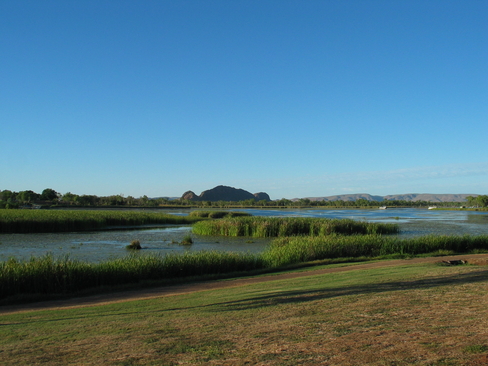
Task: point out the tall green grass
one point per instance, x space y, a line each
37 221
290 250
49 275
258 226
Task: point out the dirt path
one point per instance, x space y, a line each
150 293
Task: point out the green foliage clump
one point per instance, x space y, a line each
134 245
476 348
48 275
258 226
187 240
290 250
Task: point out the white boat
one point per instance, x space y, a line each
432 207
382 207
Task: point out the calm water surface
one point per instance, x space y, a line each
102 245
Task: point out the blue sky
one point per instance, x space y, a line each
293 98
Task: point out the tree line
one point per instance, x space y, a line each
478 201
50 198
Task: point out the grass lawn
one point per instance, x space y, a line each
420 314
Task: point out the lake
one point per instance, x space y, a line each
95 246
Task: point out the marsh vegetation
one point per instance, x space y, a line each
134 245
44 221
264 227
50 275
292 250
293 241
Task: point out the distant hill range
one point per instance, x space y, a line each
396 197
224 193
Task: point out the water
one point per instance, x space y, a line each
103 245
412 221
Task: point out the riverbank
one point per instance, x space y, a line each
209 285
407 313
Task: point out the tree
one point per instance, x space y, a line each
130 200
27 196
49 195
471 201
7 195
304 202
361 202
88 200
283 202
249 202
482 201
70 197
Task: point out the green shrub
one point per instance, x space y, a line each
187 240
134 245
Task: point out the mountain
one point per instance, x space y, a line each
225 193
430 197
396 197
346 197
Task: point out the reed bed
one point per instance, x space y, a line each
38 221
49 275
291 250
263 227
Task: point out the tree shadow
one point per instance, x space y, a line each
290 297
297 296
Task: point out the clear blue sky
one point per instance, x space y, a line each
293 98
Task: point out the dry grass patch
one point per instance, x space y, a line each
479 261
410 315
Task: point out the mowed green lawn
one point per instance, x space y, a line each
418 314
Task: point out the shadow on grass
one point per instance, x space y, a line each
288 297
291 297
